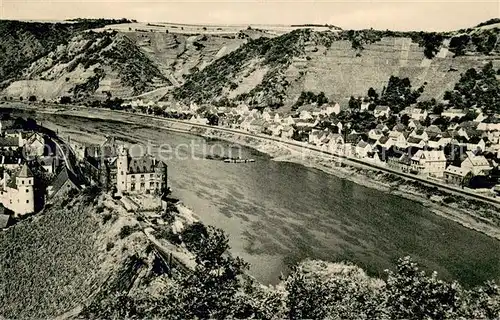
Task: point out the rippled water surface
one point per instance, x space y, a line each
279 213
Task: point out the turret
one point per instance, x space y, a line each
121 168
25 194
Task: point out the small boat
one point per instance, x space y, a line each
231 160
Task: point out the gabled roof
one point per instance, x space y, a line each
383 140
477 161
25 172
61 179
362 144
457 171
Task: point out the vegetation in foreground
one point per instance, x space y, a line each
217 289
47 264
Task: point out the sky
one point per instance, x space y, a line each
426 15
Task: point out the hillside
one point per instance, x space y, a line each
274 71
259 65
67 59
59 260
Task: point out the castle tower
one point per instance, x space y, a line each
121 169
25 202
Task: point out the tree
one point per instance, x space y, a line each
372 93
65 100
414 295
32 98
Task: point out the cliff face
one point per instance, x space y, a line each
54 60
256 66
274 72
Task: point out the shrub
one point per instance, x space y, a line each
125 231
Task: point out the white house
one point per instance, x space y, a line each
362 149
365 105
288 121
287 132
16 191
332 109
305 115
478 165
427 162
375 134
455 175
381 111
453 113
398 139
416 113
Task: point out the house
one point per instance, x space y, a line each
375 134
334 141
287 132
365 105
381 111
330 109
476 143
415 142
305 115
362 149
16 191
414 124
415 113
399 127
384 142
144 174
478 165
288 121
33 145
198 119
314 136
420 134
428 162
63 184
453 113
276 129
398 161
455 175
48 163
398 139
382 127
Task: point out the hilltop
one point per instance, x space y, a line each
258 65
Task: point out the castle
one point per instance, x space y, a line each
144 174
16 191
112 166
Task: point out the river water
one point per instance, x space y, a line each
277 214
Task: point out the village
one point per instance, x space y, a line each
38 168
457 147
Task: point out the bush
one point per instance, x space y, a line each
32 98
125 231
65 100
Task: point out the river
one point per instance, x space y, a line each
277 213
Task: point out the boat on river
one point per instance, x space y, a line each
228 159
238 160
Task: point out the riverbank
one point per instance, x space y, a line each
473 214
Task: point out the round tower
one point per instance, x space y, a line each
121 169
25 202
